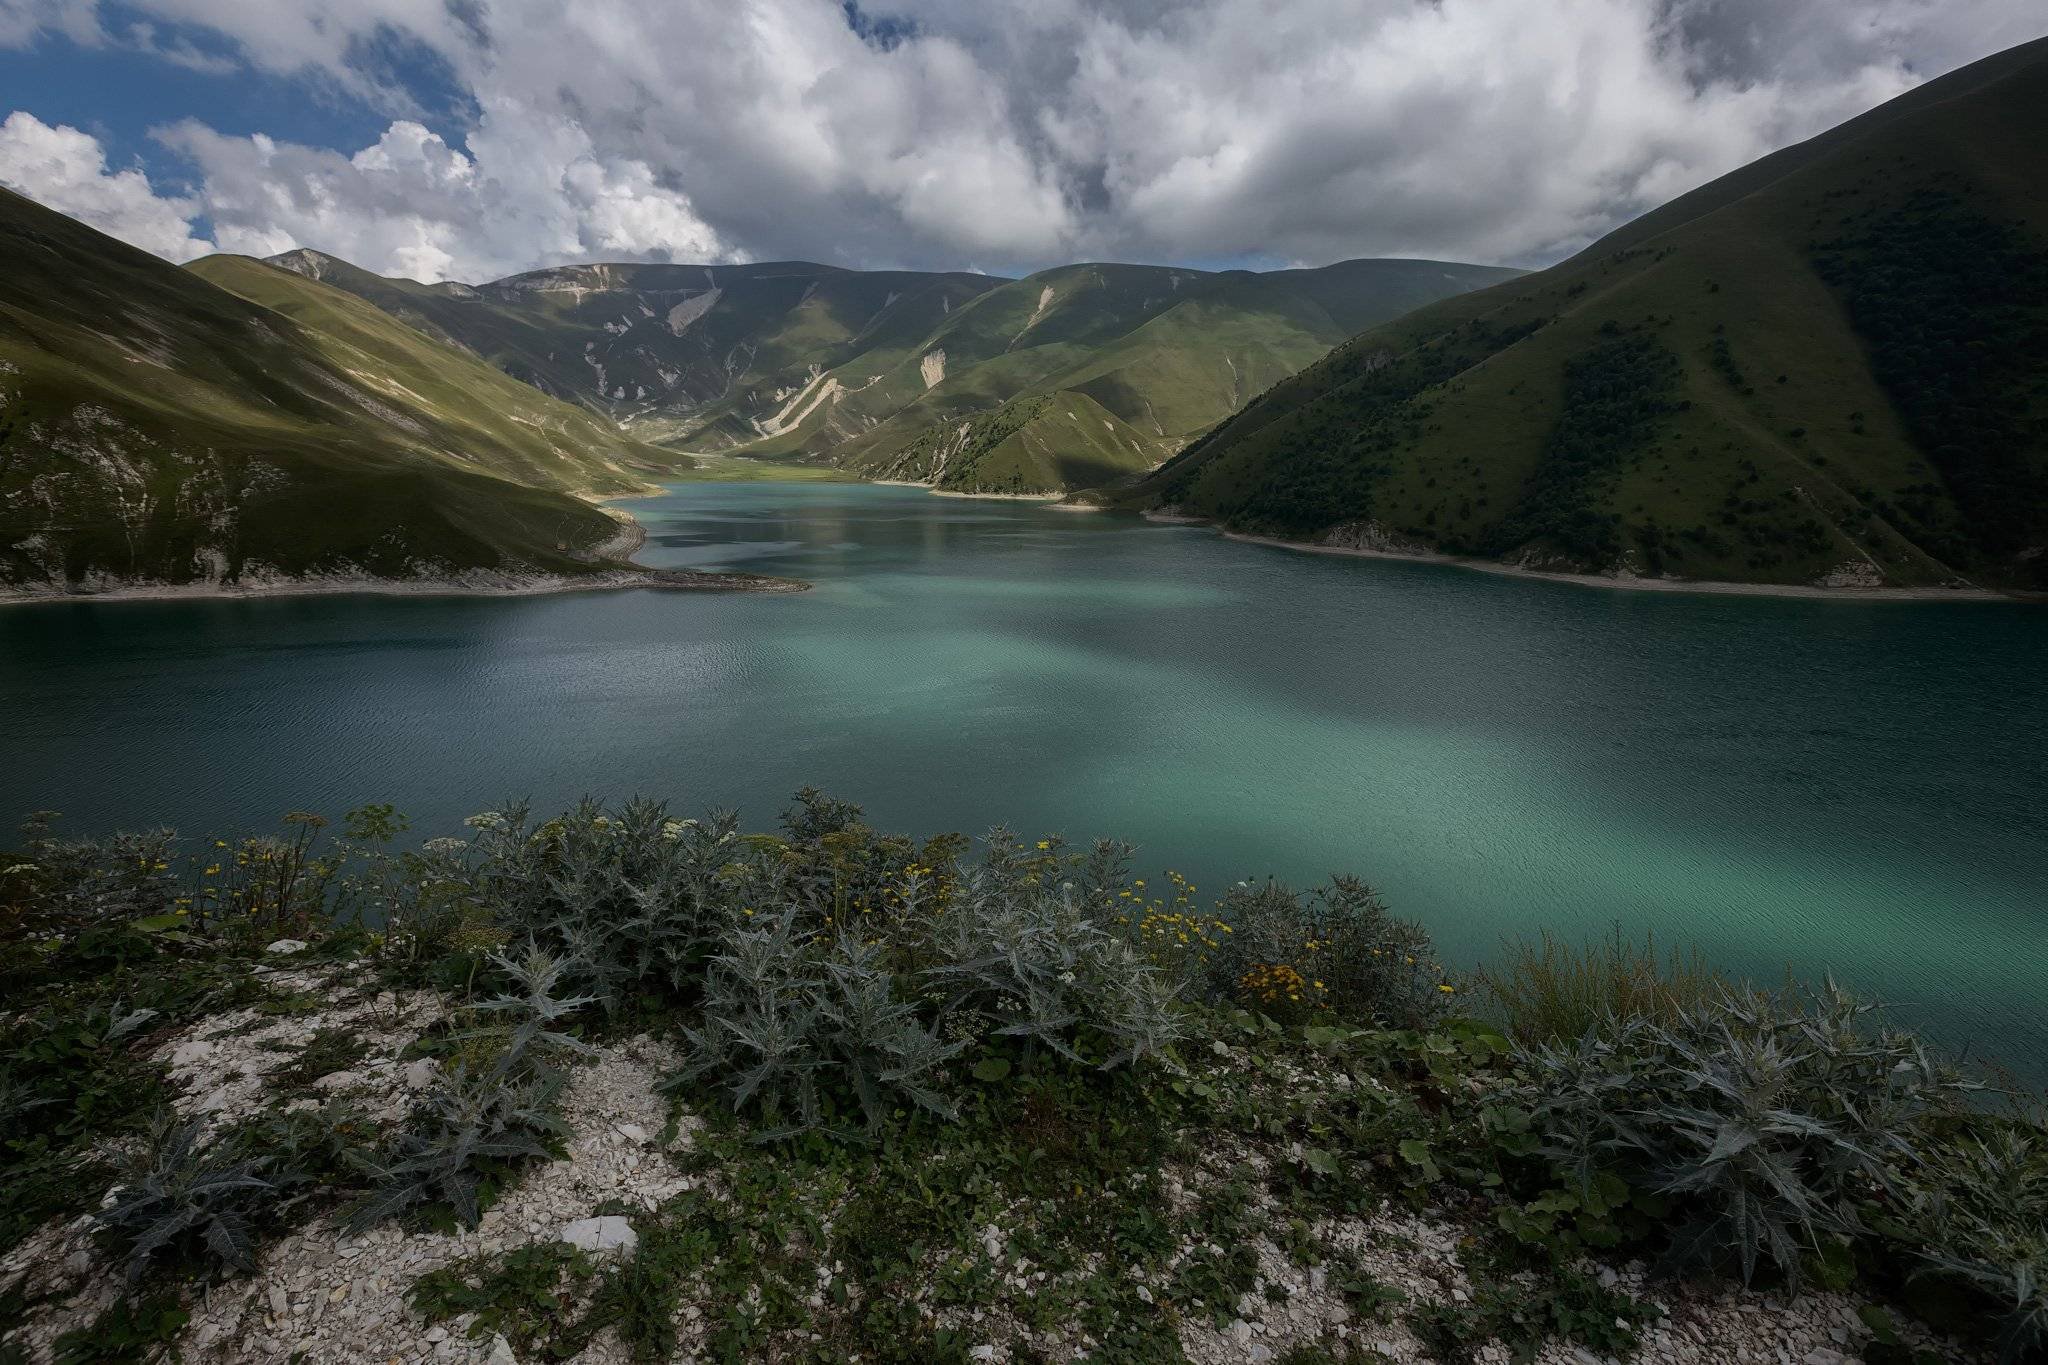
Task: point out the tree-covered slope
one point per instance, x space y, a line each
1829 367
808 361
157 427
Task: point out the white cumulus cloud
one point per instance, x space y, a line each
67 170
1019 133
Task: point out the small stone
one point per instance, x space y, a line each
983 1353
192 1052
420 1074
280 1302
601 1234
634 1133
287 945
501 1352
338 1080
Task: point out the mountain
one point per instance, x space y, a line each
668 350
1828 367
874 370
234 422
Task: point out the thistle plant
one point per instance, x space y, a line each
467 1134
536 1008
192 1201
1979 1212
790 1021
631 899
1047 969
1769 1118
470 1131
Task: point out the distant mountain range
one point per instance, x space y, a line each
1829 367
895 374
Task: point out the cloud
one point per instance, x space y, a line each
67 170
1019 133
531 189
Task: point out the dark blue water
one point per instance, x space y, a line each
1860 788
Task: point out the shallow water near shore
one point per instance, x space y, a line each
1850 786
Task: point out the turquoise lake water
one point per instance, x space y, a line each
1854 787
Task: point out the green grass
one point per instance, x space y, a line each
1852 395
1551 991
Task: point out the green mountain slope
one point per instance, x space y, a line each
859 368
674 351
1167 352
155 427
1829 367
1040 443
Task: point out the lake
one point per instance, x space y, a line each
1860 787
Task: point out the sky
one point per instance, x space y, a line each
472 139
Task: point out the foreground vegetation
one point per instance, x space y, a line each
921 1087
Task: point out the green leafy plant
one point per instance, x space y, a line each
790 1022
1337 950
1044 966
1767 1119
193 1204
128 1333
1979 1215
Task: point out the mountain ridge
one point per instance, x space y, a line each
795 360
1825 371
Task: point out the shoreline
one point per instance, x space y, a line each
483 583
1706 587
955 493
615 550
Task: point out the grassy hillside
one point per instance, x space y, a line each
674 351
504 427
155 426
867 368
1165 352
1829 367
1040 443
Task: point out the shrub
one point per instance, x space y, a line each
793 1022
195 1202
1039 964
633 899
467 1135
1979 1213
1551 991
1337 950
476 1127
1767 1117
